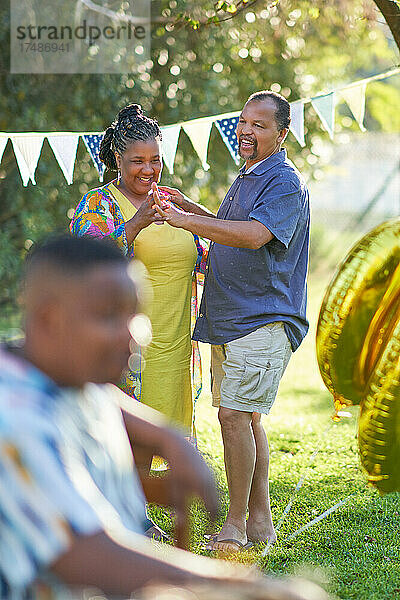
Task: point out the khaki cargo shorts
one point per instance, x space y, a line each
246 372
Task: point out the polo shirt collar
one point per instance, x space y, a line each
266 164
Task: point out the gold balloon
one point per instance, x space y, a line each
379 424
359 312
358 348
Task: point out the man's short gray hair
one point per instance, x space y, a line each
282 114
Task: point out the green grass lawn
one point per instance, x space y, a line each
355 552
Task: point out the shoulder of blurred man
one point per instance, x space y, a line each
67 457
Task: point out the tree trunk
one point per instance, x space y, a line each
391 12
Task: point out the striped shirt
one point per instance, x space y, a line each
66 469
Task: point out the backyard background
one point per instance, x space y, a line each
299 48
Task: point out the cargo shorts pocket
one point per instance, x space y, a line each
260 378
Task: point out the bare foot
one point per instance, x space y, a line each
260 531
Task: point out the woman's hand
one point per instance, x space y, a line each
147 213
156 196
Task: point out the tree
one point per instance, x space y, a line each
390 9
225 10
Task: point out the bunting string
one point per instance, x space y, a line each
27 146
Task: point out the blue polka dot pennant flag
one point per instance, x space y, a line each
227 129
92 143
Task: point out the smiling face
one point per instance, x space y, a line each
140 166
257 131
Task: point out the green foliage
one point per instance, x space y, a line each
298 47
383 100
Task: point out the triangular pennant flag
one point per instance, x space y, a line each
297 121
198 131
64 147
27 150
3 143
170 135
227 129
355 100
325 109
92 143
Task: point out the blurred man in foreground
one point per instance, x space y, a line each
71 503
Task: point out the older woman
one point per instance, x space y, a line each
124 211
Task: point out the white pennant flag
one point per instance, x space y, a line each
199 131
3 143
27 148
325 109
355 100
297 121
170 135
64 146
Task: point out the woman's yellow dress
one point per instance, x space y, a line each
169 255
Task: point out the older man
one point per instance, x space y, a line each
254 303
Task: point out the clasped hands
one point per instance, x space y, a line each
166 210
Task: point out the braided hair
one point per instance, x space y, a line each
130 125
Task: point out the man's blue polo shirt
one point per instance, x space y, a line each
246 289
